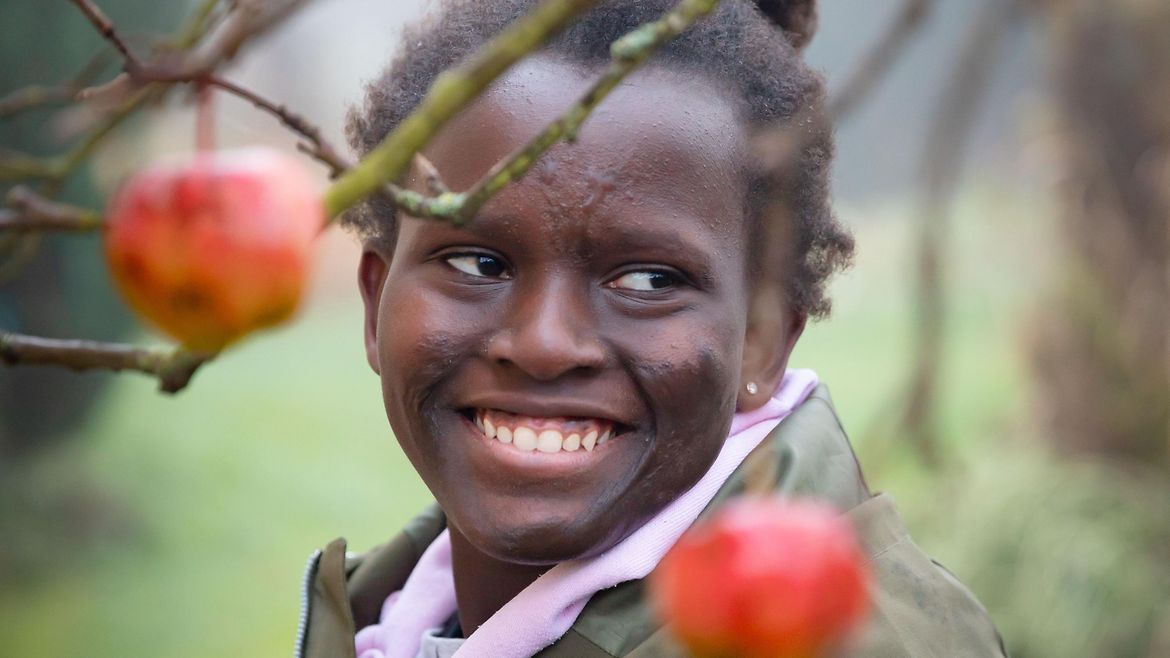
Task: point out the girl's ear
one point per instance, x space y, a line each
798 18
772 331
371 275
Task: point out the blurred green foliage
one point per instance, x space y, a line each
178 527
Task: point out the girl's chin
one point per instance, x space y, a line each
538 541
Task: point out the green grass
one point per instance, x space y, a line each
178 527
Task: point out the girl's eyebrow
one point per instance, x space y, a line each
678 242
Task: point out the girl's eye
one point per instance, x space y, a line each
645 281
479 265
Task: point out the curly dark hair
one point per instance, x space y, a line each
737 47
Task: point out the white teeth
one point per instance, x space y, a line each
504 434
524 438
549 441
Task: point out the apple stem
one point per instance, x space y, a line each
204 119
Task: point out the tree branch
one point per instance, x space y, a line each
247 20
30 211
317 146
778 146
430 174
55 170
36 96
452 91
628 53
106 28
877 62
21 166
173 368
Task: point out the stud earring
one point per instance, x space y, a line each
752 389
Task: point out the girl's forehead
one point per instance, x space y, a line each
661 140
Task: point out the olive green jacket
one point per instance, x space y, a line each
919 609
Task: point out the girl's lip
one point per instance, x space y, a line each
543 407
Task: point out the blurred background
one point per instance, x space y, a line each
1000 353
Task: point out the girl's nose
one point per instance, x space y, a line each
548 333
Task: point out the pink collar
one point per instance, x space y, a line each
545 610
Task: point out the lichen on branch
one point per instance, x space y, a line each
452 91
387 161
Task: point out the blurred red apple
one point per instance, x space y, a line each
213 249
764 578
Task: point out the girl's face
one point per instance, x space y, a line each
597 310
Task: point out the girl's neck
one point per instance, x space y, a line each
484 584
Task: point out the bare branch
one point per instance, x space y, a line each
877 62
450 93
173 368
30 211
248 20
106 28
56 170
201 21
36 96
430 174
779 145
21 166
317 147
628 53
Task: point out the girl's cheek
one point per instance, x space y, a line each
691 382
420 336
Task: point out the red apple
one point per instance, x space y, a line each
215 248
764 578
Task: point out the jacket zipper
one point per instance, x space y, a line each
306 586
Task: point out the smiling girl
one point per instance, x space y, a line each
602 353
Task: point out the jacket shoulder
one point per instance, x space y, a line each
918 607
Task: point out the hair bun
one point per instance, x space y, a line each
798 18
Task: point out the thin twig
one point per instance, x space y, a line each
105 27
173 368
244 23
878 61
201 21
29 211
36 96
779 145
77 157
317 147
16 166
55 170
449 94
431 175
628 53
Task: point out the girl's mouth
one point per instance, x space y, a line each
544 434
